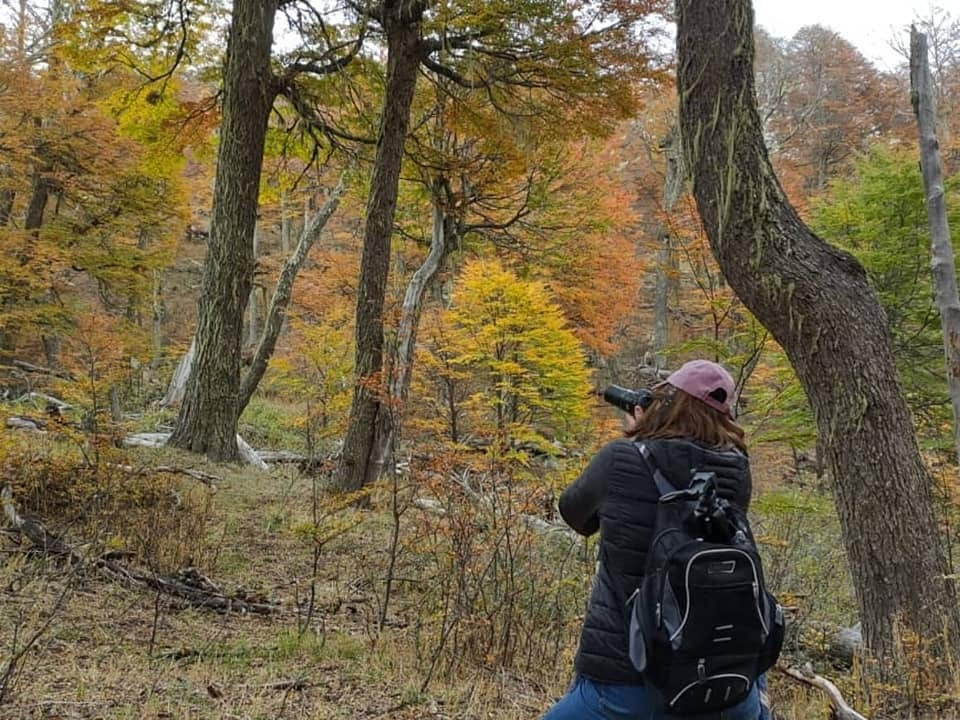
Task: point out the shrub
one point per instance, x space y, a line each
99 498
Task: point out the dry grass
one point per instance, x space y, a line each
112 651
115 652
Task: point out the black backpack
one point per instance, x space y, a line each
702 625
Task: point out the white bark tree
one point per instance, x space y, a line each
178 383
944 268
281 295
401 354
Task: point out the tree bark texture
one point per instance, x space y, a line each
38 202
816 302
208 415
253 312
401 361
404 51
281 295
941 251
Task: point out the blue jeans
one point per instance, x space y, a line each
591 700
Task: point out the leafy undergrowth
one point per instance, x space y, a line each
471 595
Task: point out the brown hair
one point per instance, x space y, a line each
674 413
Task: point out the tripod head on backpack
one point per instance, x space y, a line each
713 518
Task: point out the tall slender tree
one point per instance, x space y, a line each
214 396
532 59
208 416
944 267
400 21
818 305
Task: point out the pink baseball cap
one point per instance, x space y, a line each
707 382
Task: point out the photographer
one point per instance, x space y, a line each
687 423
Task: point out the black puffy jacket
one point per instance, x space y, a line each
616 495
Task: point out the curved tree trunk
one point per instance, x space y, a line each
403 61
281 295
401 363
816 302
208 416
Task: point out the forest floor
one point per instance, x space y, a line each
114 652
107 650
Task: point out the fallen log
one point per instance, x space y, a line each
537 524
17 422
841 709
197 590
488 504
48 400
247 453
206 478
282 456
31 368
153 440
35 532
198 597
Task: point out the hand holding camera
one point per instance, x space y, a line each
632 402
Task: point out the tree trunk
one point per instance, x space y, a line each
284 224
661 297
208 416
403 61
401 361
51 350
673 181
116 404
36 208
38 202
817 304
253 313
944 268
157 312
7 196
281 296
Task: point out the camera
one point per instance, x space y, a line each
627 399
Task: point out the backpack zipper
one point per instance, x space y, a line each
686 583
756 600
743 678
664 575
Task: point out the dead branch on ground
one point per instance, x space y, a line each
206 478
192 587
42 539
36 369
841 710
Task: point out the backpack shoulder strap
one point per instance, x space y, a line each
664 486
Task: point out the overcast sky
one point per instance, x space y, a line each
868 24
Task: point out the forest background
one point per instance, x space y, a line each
570 255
